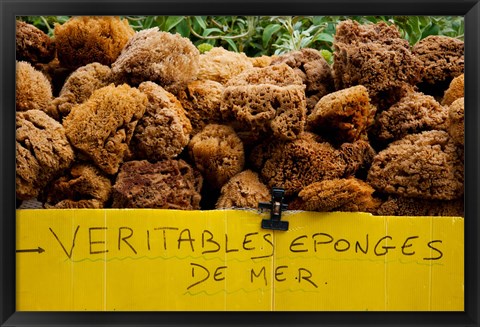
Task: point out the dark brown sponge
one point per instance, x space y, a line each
292 165
376 57
42 152
414 113
456 121
167 184
101 128
358 157
427 165
314 71
343 116
86 39
164 130
244 190
402 206
218 153
442 57
339 194
32 44
263 101
33 90
169 60
201 100
80 85
83 186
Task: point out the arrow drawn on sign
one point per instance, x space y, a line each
38 250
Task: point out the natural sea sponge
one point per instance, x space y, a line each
83 186
220 65
217 153
314 71
169 60
33 90
86 39
427 165
442 57
166 184
164 130
456 121
455 90
244 190
339 194
403 206
42 152
414 113
263 101
292 165
32 44
80 85
376 57
262 61
358 157
201 100
101 128
343 116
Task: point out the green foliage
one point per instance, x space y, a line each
268 35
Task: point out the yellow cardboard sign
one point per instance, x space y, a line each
166 260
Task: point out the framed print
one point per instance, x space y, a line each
239 162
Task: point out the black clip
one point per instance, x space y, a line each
276 206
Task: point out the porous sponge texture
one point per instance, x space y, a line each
42 152
102 127
32 44
427 165
455 90
218 153
266 100
221 65
86 39
169 60
456 121
164 129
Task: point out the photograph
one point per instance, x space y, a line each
200 165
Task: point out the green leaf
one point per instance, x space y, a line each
232 44
183 28
268 32
173 21
200 21
208 31
324 37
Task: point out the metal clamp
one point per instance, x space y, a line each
276 207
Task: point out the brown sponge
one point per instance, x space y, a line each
201 100
164 130
339 194
220 65
169 60
292 165
266 100
42 152
454 91
244 190
83 186
456 119
402 206
102 127
376 57
167 184
80 85
358 157
32 44
427 165
86 39
217 153
343 116
442 57
414 113
33 90
314 71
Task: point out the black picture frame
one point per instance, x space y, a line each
9 9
